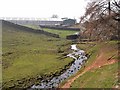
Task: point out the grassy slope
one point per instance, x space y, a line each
61 33
33 26
105 77
27 55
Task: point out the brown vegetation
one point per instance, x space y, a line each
101 20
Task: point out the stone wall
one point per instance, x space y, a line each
23 28
72 37
60 28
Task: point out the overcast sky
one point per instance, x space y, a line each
42 8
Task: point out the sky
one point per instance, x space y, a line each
42 8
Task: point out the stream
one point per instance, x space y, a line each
80 58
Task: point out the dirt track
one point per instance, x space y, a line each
99 62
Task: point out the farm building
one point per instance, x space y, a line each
43 22
33 22
69 22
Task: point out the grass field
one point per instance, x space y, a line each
27 55
105 77
33 26
61 33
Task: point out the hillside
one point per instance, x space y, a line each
30 28
29 57
100 70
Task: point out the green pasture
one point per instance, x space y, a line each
28 54
61 33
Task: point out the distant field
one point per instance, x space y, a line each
61 33
27 55
33 26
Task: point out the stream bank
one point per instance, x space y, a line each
79 57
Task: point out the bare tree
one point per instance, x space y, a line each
101 19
